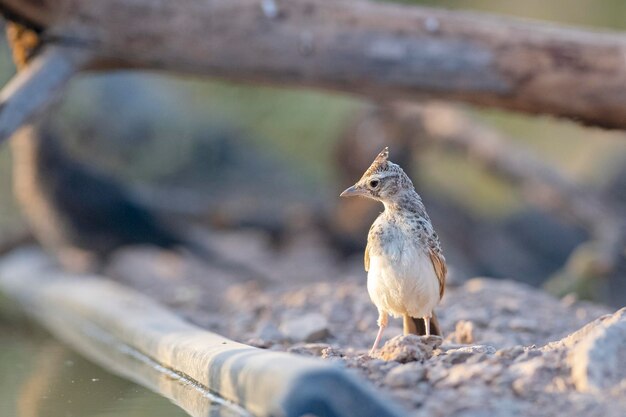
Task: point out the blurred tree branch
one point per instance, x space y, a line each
373 49
40 80
10 240
540 182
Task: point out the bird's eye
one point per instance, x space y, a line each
374 183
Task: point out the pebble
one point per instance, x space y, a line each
464 332
599 360
462 354
406 375
310 349
408 348
311 327
268 331
531 373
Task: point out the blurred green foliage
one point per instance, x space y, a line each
606 14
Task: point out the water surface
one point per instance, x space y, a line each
41 377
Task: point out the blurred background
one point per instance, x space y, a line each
231 156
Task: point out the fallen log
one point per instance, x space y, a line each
367 48
109 322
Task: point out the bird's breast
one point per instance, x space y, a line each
402 280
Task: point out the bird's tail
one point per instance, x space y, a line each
414 325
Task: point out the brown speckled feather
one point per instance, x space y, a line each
366 257
439 263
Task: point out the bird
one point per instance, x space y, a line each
406 268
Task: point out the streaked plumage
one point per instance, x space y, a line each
405 264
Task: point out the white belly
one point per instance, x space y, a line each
403 284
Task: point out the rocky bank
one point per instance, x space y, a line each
509 349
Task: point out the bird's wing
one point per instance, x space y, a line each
366 257
439 263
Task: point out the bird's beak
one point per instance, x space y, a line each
353 191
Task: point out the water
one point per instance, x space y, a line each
41 377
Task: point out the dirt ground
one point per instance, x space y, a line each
505 349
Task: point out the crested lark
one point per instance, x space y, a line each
406 268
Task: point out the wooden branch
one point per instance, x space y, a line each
540 182
368 48
36 87
451 128
142 340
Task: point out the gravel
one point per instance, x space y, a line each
508 349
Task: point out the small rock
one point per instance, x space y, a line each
260 343
511 352
464 332
311 327
408 348
269 332
436 373
486 349
467 373
432 341
411 397
523 325
532 375
528 354
462 354
374 364
598 360
309 349
406 375
331 352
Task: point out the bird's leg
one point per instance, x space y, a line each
383 319
427 324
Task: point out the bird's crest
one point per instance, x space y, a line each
380 162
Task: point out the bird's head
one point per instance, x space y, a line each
383 181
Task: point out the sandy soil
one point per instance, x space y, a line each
496 358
